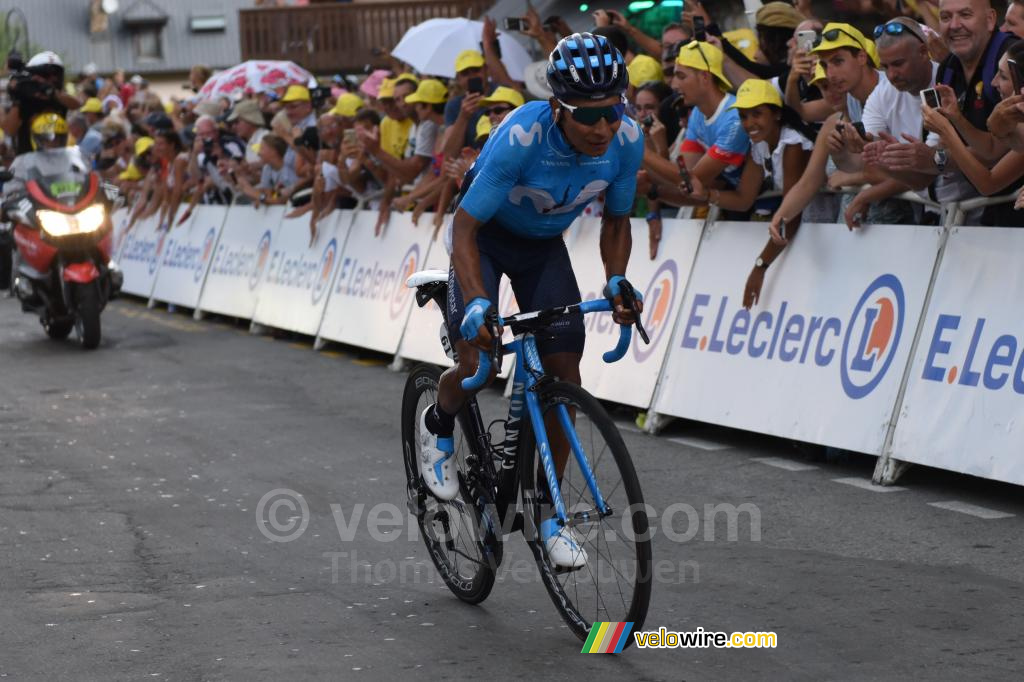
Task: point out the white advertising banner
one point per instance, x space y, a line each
369 303
632 379
821 357
119 222
298 276
421 340
965 398
187 253
240 260
141 249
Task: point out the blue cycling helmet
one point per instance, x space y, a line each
586 66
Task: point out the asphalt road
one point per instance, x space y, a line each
130 479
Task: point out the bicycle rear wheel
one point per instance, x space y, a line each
450 530
615 585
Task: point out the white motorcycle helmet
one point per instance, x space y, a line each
46 64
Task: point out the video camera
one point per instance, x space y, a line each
22 85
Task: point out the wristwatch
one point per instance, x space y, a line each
940 160
759 263
652 193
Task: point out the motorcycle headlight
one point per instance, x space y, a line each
62 224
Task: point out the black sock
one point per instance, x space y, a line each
440 422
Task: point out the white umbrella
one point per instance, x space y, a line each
431 47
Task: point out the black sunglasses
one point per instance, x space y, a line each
497 111
896 28
590 116
833 34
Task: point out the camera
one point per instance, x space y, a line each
515 24
648 121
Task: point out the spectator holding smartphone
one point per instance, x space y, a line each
470 81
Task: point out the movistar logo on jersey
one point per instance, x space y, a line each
865 342
992 359
518 134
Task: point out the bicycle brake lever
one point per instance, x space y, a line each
629 300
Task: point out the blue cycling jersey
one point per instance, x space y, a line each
531 182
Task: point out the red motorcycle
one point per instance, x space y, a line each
60 212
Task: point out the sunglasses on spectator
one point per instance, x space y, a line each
896 28
590 116
833 34
497 111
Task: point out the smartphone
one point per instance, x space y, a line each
930 97
350 136
699 32
681 162
475 85
782 228
515 24
859 127
840 126
805 40
1016 77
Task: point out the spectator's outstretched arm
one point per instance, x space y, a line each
982 143
644 42
403 170
495 68
455 134
987 181
739 199
813 111
857 210
535 29
1007 122
802 192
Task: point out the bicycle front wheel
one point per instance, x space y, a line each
615 583
451 530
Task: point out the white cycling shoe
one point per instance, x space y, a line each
562 546
436 465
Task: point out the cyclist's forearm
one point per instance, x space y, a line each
466 256
616 244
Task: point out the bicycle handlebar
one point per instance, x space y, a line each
594 306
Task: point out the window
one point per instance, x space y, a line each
146 43
208 24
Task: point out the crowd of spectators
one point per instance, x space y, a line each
758 123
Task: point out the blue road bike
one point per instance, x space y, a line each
508 480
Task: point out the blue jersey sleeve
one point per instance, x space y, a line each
494 175
622 191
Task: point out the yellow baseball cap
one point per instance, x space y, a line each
429 91
296 93
836 35
704 57
644 69
483 127
92 106
347 105
754 92
819 73
387 89
142 145
468 59
779 15
503 95
407 77
130 173
744 40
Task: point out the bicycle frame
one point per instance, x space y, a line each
528 373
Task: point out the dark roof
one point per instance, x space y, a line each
63 26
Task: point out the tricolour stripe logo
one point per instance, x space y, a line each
607 638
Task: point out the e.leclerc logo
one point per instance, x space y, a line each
658 308
992 352
869 337
262 254
376 283
208 242
325 268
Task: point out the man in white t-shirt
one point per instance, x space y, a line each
893 112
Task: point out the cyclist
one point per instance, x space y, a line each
537 172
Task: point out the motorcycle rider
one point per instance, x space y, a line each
35 88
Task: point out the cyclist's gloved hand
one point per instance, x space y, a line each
613 292
474 323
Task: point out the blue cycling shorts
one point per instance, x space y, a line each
541 276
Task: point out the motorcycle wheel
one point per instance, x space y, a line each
58 330
87 315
